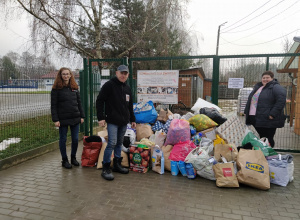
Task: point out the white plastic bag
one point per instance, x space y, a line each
207 172
201 103
159 138
208 145
198 157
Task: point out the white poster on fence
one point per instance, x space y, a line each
236 83
159 86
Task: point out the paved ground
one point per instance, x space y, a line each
42 189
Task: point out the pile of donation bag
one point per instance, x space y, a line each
203 143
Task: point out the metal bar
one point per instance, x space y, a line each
85 98
91 97
267 63
81 86
215 82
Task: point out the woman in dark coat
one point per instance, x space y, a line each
66 111
264 109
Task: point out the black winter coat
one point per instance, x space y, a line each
66 106
271 102
117 99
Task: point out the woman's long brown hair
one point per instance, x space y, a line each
59 83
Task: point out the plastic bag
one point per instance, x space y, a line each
201 103
179 131
207 144
144 112
198 157
157 126
202 122
213 114
167 126
160 137
91 150
281 170
181 150
258 144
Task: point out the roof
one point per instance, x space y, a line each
290 64
52 75
188 71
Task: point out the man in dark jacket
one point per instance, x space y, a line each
264 108
115 107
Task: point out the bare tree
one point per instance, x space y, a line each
83 26
286 44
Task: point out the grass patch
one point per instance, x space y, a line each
34 132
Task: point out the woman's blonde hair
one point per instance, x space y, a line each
59 83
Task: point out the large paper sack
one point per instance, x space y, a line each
253 169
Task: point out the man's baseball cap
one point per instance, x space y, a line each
123 68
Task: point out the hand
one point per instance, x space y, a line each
57 124
270 117
81 120
133 125
102 123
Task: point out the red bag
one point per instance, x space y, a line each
181 150
90 153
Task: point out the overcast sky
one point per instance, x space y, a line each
253 26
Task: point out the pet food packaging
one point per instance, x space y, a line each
139 158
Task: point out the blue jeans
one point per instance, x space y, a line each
115 141
63 130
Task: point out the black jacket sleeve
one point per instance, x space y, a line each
101 98
54 105
280 99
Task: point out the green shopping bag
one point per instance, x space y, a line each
258 144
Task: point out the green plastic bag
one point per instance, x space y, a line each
258 144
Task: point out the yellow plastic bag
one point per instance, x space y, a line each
202 122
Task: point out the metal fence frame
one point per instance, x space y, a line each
87 92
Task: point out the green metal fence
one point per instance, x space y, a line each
25 120
25 98
217 71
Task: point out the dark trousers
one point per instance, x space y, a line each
263 132
268 133
63 130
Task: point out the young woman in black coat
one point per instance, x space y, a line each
264 108
66 111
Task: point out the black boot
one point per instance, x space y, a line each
106 171
74 161
65 163
118 167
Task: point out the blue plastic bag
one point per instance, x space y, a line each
144 112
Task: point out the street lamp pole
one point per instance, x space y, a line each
217 49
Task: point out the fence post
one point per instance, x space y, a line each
91 97
267 63
85 98
215 82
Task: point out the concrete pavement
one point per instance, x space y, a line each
41 189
